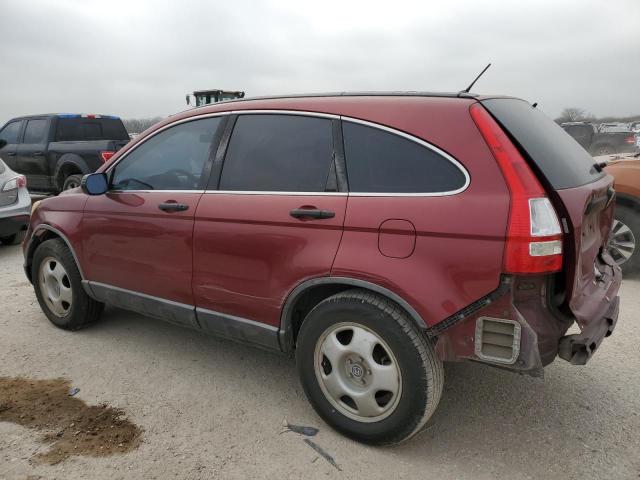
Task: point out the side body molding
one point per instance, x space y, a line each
285 335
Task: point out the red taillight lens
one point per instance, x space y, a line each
106 156
534 238
631 139
21 180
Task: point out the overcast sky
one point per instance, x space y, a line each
139 58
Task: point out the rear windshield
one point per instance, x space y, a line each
561 159
72 129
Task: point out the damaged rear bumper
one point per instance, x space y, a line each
517 329
579 348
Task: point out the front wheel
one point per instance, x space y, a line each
58 286
368 371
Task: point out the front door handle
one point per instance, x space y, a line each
173 207
311 213
36 154
10 154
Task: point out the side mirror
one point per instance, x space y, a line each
3 143
94 184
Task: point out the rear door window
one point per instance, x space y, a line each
278 153
87 129
173 159
36 131
560 159
10 132
379 161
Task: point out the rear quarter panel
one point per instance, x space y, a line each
459 238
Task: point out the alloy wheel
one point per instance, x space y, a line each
622 242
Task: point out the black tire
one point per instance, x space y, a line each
420 370
83 309
630 217
72 181
15 239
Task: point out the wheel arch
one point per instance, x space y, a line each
69 164
42 233
309 293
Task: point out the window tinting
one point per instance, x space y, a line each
382 162
70 129
35 131
563 162
10 132
171 160
278 153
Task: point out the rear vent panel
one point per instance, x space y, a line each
497 340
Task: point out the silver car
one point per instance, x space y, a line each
15 205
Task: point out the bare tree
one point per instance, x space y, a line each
138 125
574 114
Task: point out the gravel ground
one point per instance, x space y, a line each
210 408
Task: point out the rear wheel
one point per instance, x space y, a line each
15 239
58 286
366 369
72 181
623 242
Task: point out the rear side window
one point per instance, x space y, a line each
77 129
278 153
379 161
10 132
36 131
562 161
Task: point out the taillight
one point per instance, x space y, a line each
104 156
631 139
534 237
16 182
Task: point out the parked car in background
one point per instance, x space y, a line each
355 231
625 234
54 151
15 205
601 143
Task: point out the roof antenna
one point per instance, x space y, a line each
466 90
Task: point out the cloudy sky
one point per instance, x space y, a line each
139 58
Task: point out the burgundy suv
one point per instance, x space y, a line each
373 235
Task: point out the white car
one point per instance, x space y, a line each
15 205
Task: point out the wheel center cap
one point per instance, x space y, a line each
357 370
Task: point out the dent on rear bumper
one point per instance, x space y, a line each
525 301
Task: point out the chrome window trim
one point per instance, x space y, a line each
419 141
331 116
160 130
260 192
157 191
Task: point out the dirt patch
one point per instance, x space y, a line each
67 424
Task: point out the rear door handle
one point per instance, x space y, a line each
10 154
36 154
311 213
173 207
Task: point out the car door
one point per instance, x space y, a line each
138 237
10 133
270 219
31 153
